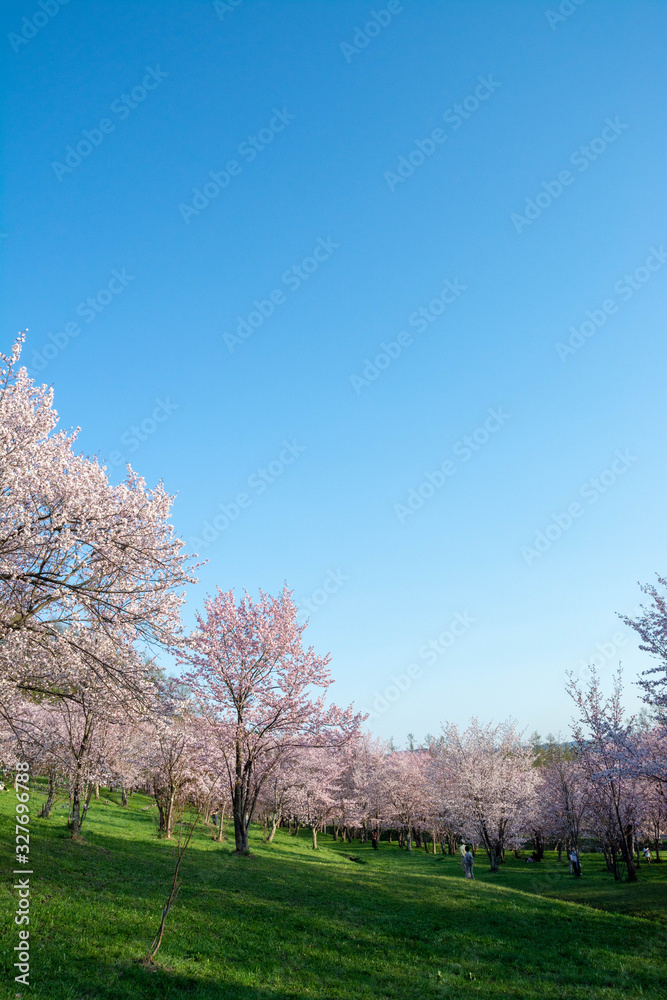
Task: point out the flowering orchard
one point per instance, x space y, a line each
92 579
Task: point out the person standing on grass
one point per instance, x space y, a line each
468 862
647 855
374 840
575 867
462 849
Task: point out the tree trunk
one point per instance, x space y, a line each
408 842
221 820
626 851
169 814
494 852
658 859
335 833
97 789
75 821
75 814
314 832
274 826
123 795
240 834
89 796
45 811
614 864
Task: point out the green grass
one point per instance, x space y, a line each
289 922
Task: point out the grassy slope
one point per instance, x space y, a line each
289 922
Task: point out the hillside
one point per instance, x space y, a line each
289 923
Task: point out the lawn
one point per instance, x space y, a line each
289 922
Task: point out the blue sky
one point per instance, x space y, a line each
498 167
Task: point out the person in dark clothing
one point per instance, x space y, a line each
374 840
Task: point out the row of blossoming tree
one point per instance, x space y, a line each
92 579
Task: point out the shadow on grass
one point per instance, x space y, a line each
311 918
294 923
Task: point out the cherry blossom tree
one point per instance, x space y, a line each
654 816
77 554
67 737
253 680
367 781
345 812
448 818
496 784
79 730
312 798
275 800
604 740
175 750
565 796
651 625
408 792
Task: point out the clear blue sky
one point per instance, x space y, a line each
354 213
